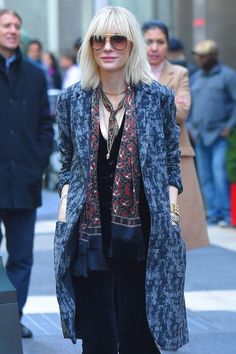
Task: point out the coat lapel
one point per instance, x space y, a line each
82 117
166 74
143 108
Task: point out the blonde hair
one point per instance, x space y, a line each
115 20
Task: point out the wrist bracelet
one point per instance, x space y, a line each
174 208
175 218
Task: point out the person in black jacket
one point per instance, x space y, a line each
26 138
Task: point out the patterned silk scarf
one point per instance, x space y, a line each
113 127
125 218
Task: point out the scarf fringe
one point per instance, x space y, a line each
89 259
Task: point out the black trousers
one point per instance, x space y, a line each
19 229
111 310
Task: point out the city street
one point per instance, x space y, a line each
210 293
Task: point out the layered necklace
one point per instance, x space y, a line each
114 93
113 126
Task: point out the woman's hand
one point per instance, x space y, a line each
174 207
63 204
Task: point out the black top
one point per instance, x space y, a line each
105 178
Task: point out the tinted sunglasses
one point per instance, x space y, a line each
117 41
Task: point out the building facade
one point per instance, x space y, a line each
57 23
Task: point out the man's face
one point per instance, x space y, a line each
65 62
9 34
203 60
34 51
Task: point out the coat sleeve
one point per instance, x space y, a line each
172 134
230 83
65 145
182 96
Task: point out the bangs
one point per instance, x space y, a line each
113 23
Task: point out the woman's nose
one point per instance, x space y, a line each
107 45
154 46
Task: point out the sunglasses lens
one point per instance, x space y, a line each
97 42
118 42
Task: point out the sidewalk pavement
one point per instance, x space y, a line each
210 293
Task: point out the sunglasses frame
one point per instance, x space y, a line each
109 36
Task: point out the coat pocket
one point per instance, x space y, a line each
179 241
60 232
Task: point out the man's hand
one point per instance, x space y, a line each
225 132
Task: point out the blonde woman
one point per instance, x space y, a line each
192 220
119 258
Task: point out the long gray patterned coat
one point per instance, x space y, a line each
158 138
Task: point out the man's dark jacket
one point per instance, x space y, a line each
26 133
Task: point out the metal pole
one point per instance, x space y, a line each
2 4
53 25
199 20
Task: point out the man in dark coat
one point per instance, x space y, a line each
26 137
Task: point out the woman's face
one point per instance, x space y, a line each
157 46
47 59
111 52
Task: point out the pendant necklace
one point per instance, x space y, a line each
113 127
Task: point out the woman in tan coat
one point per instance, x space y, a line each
192 221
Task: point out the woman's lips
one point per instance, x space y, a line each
108 58
153 56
